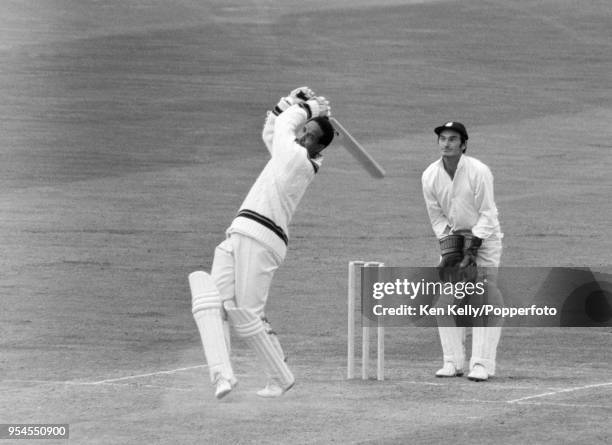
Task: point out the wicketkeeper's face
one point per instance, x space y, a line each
450 143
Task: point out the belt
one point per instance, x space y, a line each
266 222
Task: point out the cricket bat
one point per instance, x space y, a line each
357 150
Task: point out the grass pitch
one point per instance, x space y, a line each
130 135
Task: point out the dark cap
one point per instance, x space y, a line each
455 126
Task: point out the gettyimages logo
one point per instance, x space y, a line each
413 289
514 296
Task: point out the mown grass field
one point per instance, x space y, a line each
130 135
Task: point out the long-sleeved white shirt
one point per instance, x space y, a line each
267 210
465 202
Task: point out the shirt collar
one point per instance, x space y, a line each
459 164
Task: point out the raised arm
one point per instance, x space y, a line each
293 118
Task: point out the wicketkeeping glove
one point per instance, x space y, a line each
451 247
468 268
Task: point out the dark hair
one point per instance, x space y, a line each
326 127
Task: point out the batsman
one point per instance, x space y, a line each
235 292
458 192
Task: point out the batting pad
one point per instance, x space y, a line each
250 327
484 347
206 309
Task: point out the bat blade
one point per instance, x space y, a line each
356 149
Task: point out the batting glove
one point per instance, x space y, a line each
302 94
317 107
297 96
282 105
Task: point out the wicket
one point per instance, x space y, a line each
354 292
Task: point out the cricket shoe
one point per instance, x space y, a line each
478 374
224 386
449 370
273 389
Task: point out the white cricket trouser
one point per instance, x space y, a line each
484 339
242 270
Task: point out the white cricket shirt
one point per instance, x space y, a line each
267 210
465 202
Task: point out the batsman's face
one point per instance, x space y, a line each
450 143
309 136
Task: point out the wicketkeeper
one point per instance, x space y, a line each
295 133
458 192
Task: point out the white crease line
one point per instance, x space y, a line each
569 405
172 388
137 376
76 383
106 381
552 393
